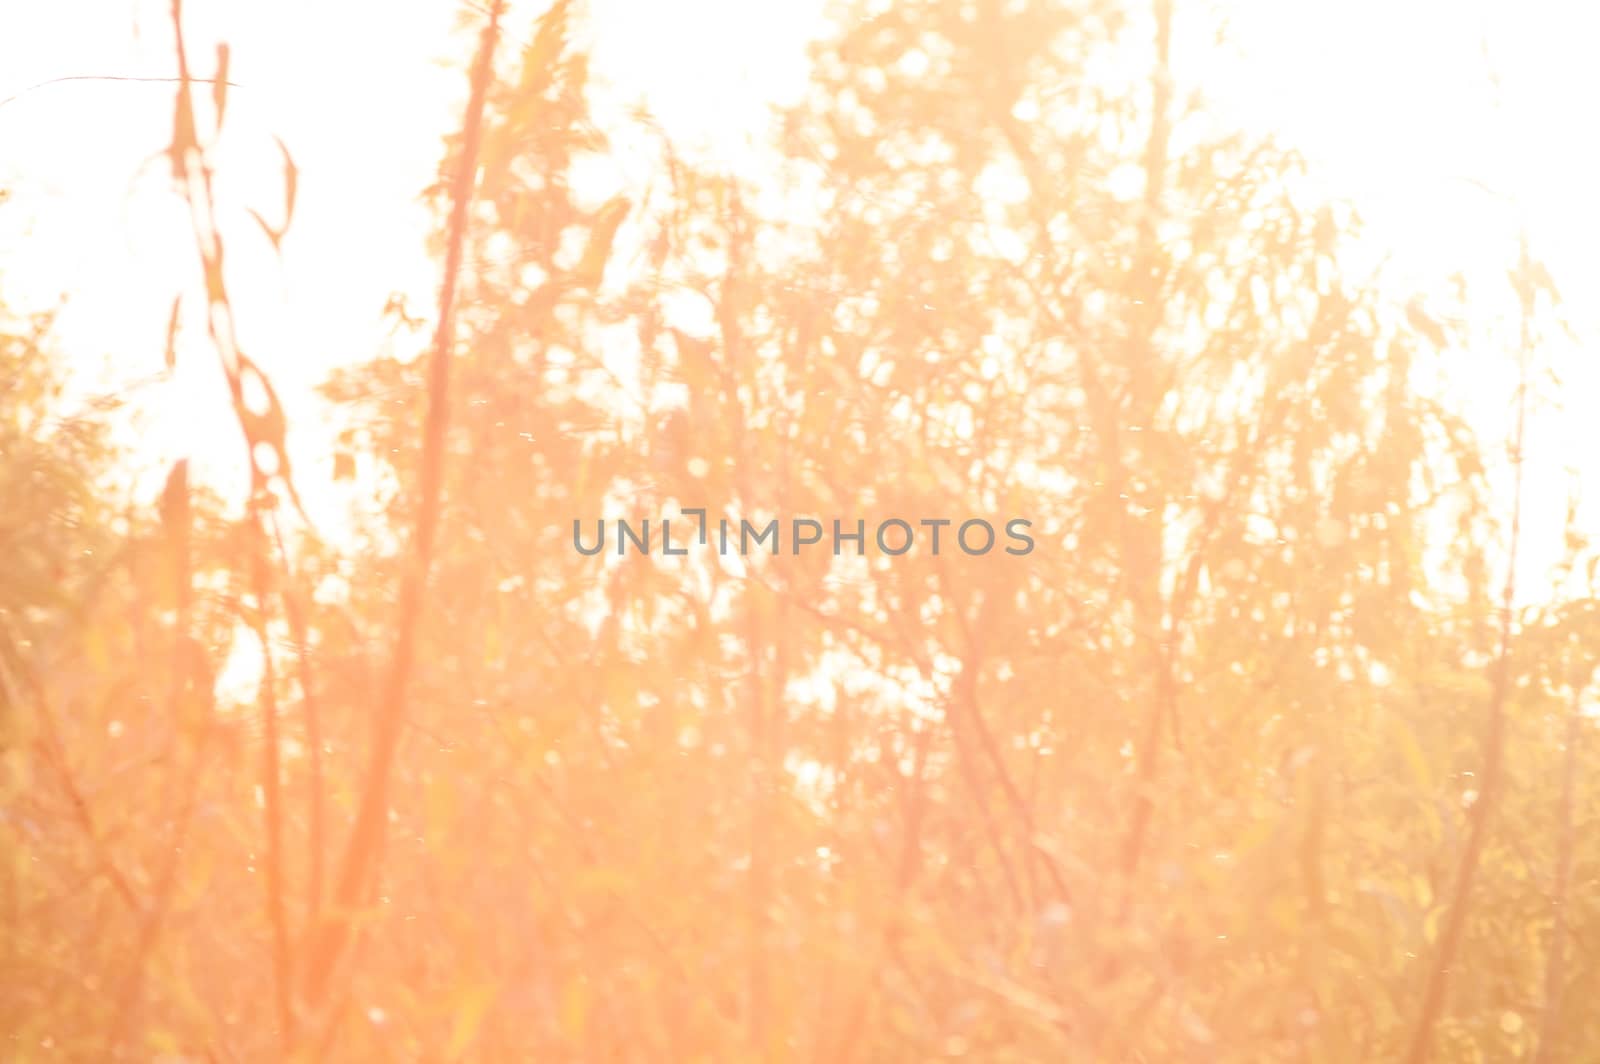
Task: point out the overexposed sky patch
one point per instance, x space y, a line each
1388 99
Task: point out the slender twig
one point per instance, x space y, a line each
166 883
755 642
1555 970
271 779
194 177
55 753
360 861
908 869
1495 729
1165 694
112 77
313 725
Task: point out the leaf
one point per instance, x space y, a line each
95 649
1327 231
574 1008
1540 278
539 59
1411 751
272 234
291 182
439 809
1424 324
219 87
171 352
1430 924
607 220
469 1004
174 505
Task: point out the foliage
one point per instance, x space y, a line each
1191 780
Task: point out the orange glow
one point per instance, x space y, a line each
731 530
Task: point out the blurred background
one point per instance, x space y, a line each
321 740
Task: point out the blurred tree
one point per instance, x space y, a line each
1190 780
1170 785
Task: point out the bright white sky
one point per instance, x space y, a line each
1386 98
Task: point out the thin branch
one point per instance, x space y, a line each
1494 741
271 780
313 727
1164 664
194 176
113 77
166 887
359 865
55 753
1555 970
